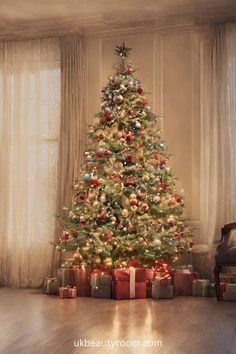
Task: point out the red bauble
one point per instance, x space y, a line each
130 181
129 158
133 202
130 226
130 137
140 90
116 176
144 206
66 235
127 70
143 102
109 238
107 117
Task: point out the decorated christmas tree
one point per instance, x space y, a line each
126 209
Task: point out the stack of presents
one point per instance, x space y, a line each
163 282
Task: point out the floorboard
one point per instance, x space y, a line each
31 322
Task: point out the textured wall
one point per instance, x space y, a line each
170 69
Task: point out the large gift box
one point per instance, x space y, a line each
67 292
50 285
162 290
66 276
101 285
183 283
230 292
82 279
129 283
200 287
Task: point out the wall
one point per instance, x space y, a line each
169 63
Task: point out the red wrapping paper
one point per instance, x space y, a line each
121 290
150 274
124 275
82 276
122 283
183 283
223 287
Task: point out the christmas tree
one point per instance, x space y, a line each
126 210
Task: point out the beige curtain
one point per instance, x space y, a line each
218 134
73 124
29 132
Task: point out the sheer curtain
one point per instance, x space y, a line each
218 134
29 131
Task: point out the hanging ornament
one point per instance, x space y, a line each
124 213
103 198
140 90
156 199
87 177
128 70
157 242
138 125
98 260
119 99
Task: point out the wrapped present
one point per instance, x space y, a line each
129 283
227 278
50 285
183 283
82 276
100 280
211 290
66 276
149 288
67 292
84 290
68 263
162 291
187 268
230 292
200 287
100 285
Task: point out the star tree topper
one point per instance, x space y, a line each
122 51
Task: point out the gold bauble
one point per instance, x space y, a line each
98 250
133 196
124 213
95 204
103 198
98 259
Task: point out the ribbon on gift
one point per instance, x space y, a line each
132 283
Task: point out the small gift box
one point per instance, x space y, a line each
101 285
50 285
162 291
66 276
183 283
82 279
211 290
150 274
67 292
230 292
129 283
200 287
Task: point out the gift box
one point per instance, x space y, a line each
50 285
211 290
82 280
84 290
149 288
66 276
82 276
200 287
129 283
101 285
226 278
183 283
230 292
162 291
67 292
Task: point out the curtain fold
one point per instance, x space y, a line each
218 132
29 130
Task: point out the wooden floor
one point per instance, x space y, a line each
31 322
